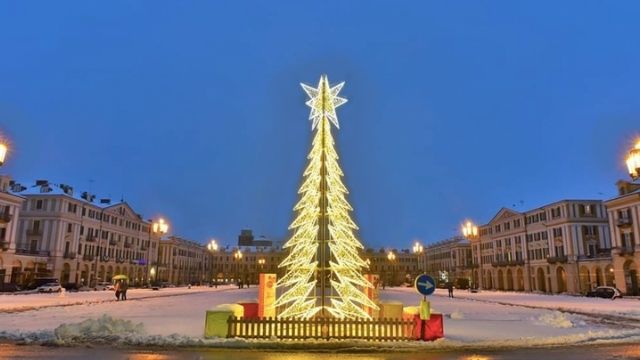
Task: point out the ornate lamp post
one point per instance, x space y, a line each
159 228
470 231
633 162
392 258
238 257
212 246
418 249
3 152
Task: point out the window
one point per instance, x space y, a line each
516 223
39 204
69 227
557 232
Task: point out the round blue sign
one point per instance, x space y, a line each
425 285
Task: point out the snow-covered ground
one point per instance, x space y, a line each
176 317
626 307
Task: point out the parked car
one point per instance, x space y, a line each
605 292
50 288
9 287
37 282
103 286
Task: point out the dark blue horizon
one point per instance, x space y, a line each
193 110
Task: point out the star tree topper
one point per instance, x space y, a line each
323 101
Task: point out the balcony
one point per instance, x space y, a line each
144 248
624 222
32 252
5 217
127 245
120 260
626 250
4 245
557 259
90 238
88 257
600 254
34 232
70 255
504 263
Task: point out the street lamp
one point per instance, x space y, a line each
418 249
470 230
159 228
392 258
3 152
212 246
237 255
261 262
633 162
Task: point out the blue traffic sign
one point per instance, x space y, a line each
425 285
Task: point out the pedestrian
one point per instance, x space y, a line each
123 289
450 288
117 289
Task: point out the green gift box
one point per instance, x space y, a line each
215 324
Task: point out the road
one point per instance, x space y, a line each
12 351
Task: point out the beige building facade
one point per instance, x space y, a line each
450 260
563 247
624 222
10 206
78 238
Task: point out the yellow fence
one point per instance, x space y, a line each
322 328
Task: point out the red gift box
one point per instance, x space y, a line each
250 310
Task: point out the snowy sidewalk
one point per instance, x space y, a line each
10 303
625 307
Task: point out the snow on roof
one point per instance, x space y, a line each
46 188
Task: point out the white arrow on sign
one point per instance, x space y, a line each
427 285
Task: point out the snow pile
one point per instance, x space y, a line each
555 319
104 329
457 315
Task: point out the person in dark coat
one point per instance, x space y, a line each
123 290
450 288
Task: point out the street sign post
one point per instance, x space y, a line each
425 285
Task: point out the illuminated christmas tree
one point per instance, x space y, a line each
324 271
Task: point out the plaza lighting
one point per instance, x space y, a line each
418 248
391 256
324 273
212 245
159 228
470 230
3 152
633 162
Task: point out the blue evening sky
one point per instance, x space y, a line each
192 109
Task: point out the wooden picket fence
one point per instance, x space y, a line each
322 328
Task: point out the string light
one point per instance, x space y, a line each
323 196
